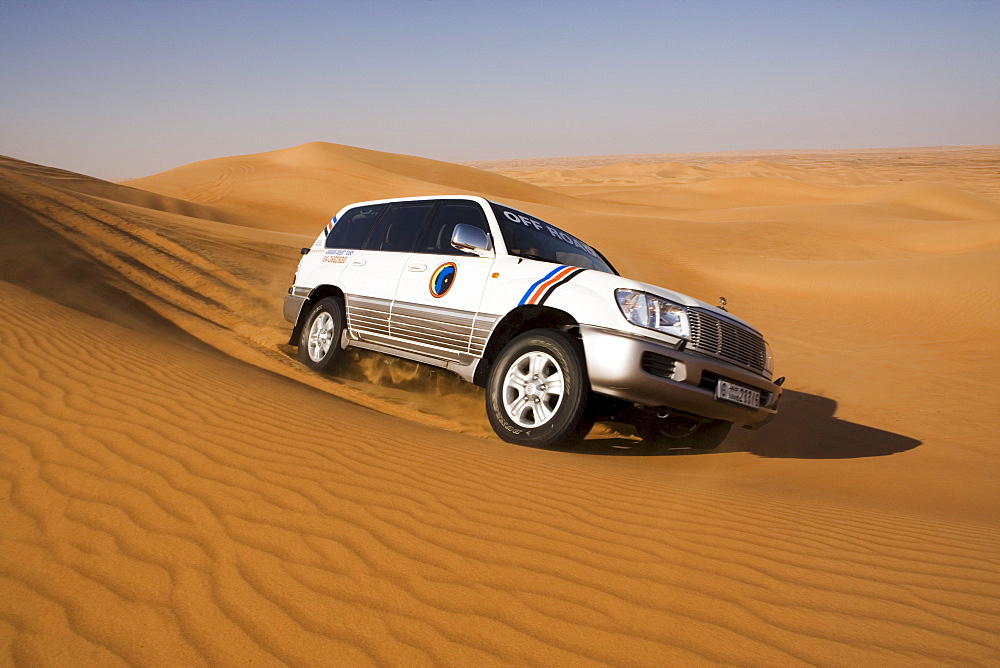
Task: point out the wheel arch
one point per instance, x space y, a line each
522 319
317 293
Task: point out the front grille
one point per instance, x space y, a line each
727 340
658 365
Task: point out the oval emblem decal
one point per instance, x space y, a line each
443 278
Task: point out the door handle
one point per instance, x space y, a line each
360 262
417 267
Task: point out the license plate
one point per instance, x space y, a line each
737 394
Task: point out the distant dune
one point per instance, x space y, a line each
178 490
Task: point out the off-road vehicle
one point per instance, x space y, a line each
537 317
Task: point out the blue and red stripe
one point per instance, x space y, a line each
541 289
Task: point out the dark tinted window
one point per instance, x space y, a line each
437 240
351 230
400 226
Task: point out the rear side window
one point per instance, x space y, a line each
351 230
437 240
399 227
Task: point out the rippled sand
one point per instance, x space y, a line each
175 489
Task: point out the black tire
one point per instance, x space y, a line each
678 434
319 340
521 408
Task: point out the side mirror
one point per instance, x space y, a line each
470 238
304 251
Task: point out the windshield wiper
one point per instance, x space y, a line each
530 256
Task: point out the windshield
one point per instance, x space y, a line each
537 240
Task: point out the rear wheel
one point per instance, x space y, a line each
537 390
319 342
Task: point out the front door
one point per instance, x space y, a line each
436 309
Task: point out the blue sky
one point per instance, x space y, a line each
124 89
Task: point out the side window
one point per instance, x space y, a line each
437 239
400 226
353 227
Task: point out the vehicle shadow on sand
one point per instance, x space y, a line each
806 427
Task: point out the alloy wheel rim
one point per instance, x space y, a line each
320 337
533 389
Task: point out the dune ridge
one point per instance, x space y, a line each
309 183
176 489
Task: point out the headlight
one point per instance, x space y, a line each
652 312
768 360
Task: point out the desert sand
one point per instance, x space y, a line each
176 489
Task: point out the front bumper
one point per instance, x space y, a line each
654 374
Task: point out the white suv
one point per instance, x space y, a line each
534 315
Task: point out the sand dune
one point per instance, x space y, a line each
292 189
178 490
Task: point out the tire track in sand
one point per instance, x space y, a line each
196 294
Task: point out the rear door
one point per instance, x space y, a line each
373 271
436 309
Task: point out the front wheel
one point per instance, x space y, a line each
537 390
319 342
